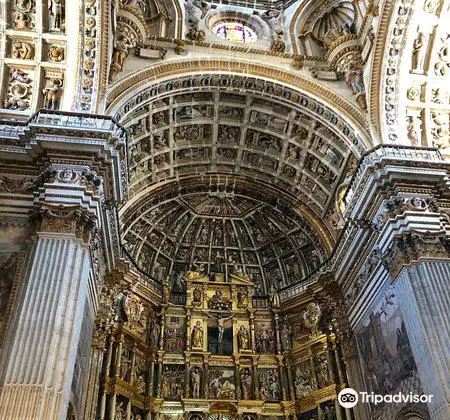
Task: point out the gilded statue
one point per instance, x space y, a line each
246 384
324 374
197 336
242 299
197 294
243 339
219 301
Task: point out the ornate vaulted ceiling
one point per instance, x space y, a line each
225 229
233 171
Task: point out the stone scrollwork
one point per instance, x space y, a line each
412 247
24 14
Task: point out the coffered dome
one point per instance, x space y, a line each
224 227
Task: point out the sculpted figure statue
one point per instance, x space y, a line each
196 375
197 336
274 297
419 51
243 339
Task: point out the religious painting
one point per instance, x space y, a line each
304 379
264 337
174 334
387 359
12 238
173 382
221 383
220 334
269 384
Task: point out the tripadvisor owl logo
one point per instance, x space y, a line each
348 398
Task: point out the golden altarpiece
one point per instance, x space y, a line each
215 351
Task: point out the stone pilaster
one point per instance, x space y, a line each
70 205
41 354
425 288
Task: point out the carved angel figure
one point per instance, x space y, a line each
311 317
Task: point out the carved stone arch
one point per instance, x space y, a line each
346 113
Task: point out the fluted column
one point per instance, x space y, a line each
41 356
98 350
424 289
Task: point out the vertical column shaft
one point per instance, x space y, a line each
41 357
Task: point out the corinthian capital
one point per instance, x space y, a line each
65 219
414 246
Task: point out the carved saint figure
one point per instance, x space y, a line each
324 374
302 383
55 9
413 130
286 338
419 51
243 340
196 375
354 79
197 336
246 384
242 296
274 297
51 93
